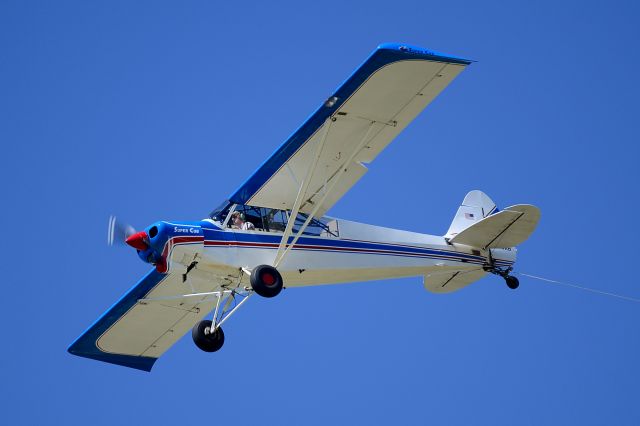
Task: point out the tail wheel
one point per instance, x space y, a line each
266 281
512 282
204 339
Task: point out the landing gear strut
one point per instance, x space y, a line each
208 335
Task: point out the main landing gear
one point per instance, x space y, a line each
205 339
265 281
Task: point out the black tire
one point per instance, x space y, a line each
266 281
207 342
512 282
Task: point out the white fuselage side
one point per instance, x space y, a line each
361 252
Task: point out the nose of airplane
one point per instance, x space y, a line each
138 240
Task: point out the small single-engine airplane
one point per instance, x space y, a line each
273 231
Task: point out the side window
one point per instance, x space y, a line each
274 220
319 227
331 228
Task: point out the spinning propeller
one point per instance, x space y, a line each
119 232
122 233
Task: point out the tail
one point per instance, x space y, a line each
476 206
479 223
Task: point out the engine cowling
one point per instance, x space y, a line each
164 244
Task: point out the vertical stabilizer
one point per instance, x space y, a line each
476 206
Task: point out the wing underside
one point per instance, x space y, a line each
147 320
327 155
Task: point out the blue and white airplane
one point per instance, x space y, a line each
273 232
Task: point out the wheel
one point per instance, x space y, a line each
266 281
512 282
205 341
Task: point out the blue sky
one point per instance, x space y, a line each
159 110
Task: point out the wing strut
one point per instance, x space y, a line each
301 192
281 254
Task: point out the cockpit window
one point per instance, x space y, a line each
262 219
250 214
274 220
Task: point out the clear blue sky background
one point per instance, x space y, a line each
160 109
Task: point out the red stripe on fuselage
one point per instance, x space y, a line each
444 256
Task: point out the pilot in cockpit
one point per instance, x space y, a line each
238 220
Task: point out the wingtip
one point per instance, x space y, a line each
83 348
421 51
141 363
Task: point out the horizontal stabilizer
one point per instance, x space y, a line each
448 281
508 228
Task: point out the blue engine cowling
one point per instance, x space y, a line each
169 243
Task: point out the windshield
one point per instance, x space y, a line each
220 214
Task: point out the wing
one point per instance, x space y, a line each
147 320
326 156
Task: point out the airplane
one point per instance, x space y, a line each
273 232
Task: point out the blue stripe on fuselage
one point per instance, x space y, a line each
329 244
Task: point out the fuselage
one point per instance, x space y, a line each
345 251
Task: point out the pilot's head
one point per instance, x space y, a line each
237 218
